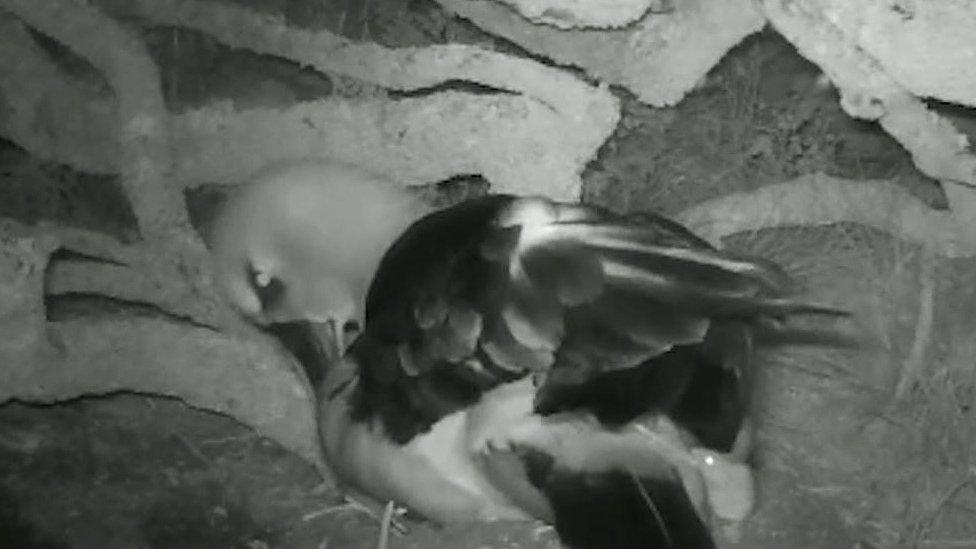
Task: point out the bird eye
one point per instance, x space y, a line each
262 280
269 289
259 278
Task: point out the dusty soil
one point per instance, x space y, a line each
128 471
135 471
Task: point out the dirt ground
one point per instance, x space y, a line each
137 471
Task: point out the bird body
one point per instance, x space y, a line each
518 357
436 475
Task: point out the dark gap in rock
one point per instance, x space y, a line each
71 64
33 190
198 69
76 305
456 85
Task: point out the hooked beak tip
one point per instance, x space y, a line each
333 339
334 335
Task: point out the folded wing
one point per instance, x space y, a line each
500 288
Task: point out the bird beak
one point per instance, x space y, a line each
316 344
330 337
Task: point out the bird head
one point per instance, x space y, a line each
300 242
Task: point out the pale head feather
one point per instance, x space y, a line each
317 227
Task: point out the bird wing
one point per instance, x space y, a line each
499 288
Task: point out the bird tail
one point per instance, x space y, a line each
771 332
619 508
659 263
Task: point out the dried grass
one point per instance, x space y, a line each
885 433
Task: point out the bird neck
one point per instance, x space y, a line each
382 228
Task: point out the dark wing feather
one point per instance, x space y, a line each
497 288
599 509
